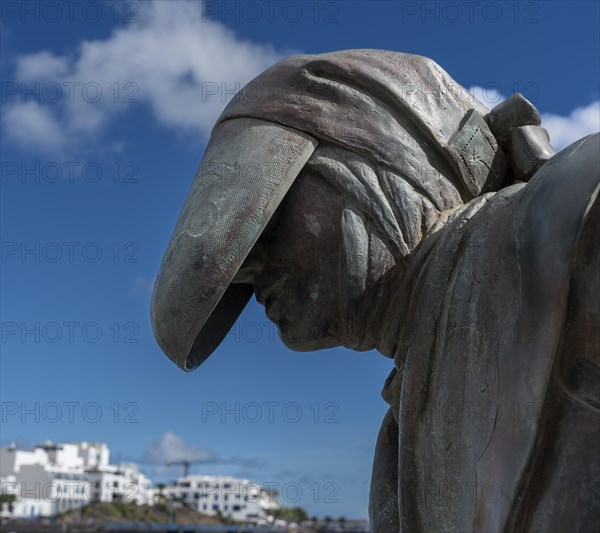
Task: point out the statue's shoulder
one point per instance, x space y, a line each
580 160
554 202
583 156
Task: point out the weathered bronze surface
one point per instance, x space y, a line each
369 201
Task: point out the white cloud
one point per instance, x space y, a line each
171 447
42 66
489 96
34 127
579 123
181 66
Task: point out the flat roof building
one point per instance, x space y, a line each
238 499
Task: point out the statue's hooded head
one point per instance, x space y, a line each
357 153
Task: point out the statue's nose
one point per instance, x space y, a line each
228 208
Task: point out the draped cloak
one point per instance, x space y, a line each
494 419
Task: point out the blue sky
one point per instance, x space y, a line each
105 115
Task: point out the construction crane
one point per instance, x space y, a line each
185 463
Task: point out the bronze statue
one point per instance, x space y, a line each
369 201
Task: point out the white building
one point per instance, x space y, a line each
239 499
123 482
54 478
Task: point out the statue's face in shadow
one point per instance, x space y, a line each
295 266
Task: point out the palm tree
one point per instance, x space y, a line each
161 500
8 499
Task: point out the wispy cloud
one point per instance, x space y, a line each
182 66
171 447
34 127
142 286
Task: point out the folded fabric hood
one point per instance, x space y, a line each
401 111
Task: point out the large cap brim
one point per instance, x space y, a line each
247 168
